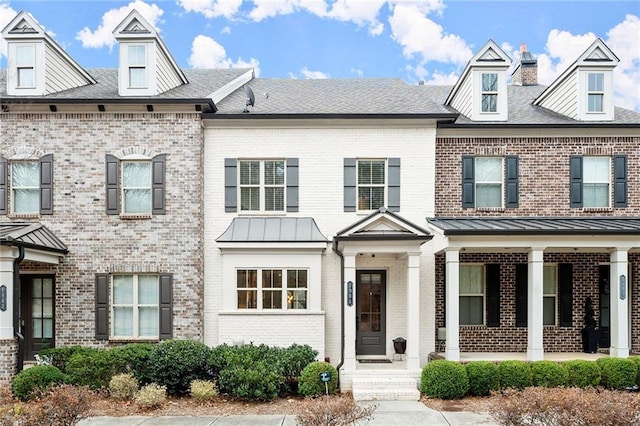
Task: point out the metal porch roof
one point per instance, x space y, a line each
272 229
31 235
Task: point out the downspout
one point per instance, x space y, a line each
16 307
335 249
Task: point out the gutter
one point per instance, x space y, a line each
335 249
16 310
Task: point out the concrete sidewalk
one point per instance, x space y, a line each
388 413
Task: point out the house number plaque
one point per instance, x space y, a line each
623 287
3 298
349 293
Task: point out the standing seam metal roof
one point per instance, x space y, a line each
30 234
272 229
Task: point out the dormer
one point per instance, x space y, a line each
36 64
146 68
584 91
481 91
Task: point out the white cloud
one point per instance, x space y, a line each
6 15
358 72
226 30
360 12
269 8
419 35
102 36
208 53
439 78
563 49
307 73
212 8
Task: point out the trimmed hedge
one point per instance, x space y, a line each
27 383
549 374
483 377
515 374
309 383
582 374
59 357
444 379
174 364
617 373
92 368
636 359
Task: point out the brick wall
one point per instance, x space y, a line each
543 177
8 353
508 337
170 243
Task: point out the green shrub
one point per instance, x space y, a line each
617 373
176 363
514 374
218 358
91 368
549 374
444 379
151 395
483 377
309 383
123 386
293 360
636 359
28 383
60 356
134 358
582 374
203 390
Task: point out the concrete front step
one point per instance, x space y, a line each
385 388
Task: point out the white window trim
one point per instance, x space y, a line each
608 181
501 113
601 93
554 295
124 84
31 65
262 186
489 92
38 70
260 289
483 294
13 188
384 185
144 66
123 212
135 306
582 96
476 181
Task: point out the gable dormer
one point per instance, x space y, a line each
481 91
146 67
584 91
36 64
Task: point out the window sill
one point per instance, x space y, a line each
261 213
24 215
136 216
490 209
597 209
473 327
133 340
251 312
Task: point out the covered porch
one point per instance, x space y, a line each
518 286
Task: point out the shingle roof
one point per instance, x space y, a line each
33 235
537 225
272 229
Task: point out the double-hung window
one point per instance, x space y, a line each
262 185
137 66
550 294
263 289
25 66
136 187
596 181
595 92
135 306
472 291
25 187
489 92
371 184
488 180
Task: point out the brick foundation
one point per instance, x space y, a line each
8 359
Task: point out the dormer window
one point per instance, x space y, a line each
595 92
489 92
25 65
137 66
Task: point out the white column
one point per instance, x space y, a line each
6 279
349 312
413 312
619 303
452 304
535 347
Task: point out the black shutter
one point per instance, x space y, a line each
468 182
166 306
113 188
492 281
394 185
46 184
565 295
350 185
522 284
292 185
158 171
620 180
576 180
3 185
230 185
102 306
511 182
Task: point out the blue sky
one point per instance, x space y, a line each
415 40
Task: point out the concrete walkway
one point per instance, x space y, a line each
388 413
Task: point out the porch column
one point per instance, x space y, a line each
535 347
619 303
413 312
349 312
6 280
452 304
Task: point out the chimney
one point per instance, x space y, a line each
526 71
